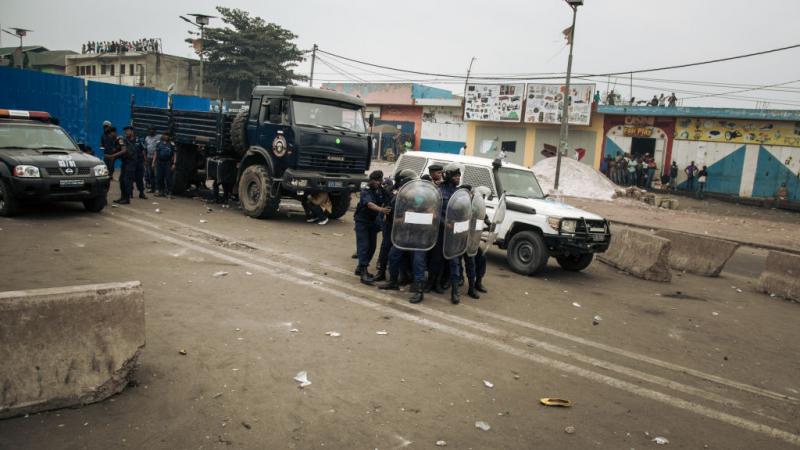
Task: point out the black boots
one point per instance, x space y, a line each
366 277
391 285
433 285
471 290
380 275
418 290
479 285
455 297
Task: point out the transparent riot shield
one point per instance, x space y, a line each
476 224
456 224
497 219
416 216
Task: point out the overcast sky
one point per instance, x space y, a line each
507 37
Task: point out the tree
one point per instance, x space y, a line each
249 51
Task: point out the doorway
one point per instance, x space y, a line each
642 146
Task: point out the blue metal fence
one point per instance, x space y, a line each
190 103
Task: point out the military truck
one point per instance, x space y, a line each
290 142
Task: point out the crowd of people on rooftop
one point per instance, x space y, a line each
122 46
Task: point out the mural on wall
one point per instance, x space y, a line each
785 134
544 103
494 102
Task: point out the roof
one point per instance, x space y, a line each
302 91
408 94
718 113
50 58
7 51
463 159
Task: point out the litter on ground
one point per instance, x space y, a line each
302 378
333 333
482 425
220 274
488 384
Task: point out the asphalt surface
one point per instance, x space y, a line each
695 361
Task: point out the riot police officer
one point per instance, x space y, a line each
368 211
124 153
449 186
139 159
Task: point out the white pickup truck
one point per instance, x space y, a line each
534 227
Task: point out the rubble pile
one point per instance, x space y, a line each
576 179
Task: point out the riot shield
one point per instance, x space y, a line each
497 219
456 224
416 216
476 224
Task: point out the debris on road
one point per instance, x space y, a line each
338 234
155 203
158 211
217 395
660 440
248 273
714 313
482 425
382 332
488 384
576 304
548 401
569 430
182 352
333 333
203 221
220 274
302 378
293 330
245 424
596 320
441 443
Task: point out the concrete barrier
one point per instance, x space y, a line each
67 346
781 275
700 255
638 253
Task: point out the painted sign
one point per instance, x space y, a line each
544 103
494 102
637 131
785 134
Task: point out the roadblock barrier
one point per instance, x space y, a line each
68 346
696 254
781 275
640 254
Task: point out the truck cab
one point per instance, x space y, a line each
534 227
298 141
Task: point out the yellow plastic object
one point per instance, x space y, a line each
546 401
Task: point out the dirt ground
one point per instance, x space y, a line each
694 361
747 224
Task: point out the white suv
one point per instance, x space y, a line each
534 227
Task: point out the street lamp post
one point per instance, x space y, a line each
200 21
562 143
20 33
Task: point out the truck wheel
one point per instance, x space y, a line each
255 193
239 133
8 204
526 253
95 204
575 263
341 203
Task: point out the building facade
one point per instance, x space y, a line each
35 57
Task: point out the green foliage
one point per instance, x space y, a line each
249 51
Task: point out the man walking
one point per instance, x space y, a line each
368 211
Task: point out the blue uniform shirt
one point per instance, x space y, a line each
164 152
368 195
447 191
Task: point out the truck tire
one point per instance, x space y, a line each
8 204
526 253
575 263
239 133
255 194
341 203
95 204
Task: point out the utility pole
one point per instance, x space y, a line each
562 144
466 82
313 60
20 33
202 75
200 21
631 97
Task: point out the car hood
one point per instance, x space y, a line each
48 158
552 208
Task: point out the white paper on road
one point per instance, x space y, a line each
460 227
419 218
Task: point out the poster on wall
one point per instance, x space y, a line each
739 131
494 102
544 103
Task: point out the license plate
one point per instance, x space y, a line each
70 183
598 237
335 184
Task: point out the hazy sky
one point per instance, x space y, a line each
507 37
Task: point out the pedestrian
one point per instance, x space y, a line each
630 163
318 206
370 207
164 162
672 100
654 101
463 150
125 154
662 101
604 165
596 98
673 175
690 171
150 143
610 98
139 159
107 144
652 167
702 177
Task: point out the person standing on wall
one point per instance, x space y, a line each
672 100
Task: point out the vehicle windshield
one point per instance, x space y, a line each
33 136
341 117
519 183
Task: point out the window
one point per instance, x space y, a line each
340 116
34 136
122 69
102 69
130 67
508 146
255 104
519 183
94 70
81 70
111 68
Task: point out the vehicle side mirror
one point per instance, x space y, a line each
371 120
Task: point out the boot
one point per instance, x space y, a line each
471 289
358 270
418 290
455 297
142 195
391 285
366 277
380 275
433 285
479 285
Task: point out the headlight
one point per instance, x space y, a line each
299 182
568 226
553 222
26 172
100 170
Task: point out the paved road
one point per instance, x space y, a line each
694 360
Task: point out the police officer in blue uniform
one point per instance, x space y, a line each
125 154
476 270
369 211
388 187
139 157
450 184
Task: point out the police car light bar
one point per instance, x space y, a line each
19 114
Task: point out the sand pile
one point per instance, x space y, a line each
576 180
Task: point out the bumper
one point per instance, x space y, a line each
577 243
51 189
308 181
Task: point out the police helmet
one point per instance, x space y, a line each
403 177
483 191
451 170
